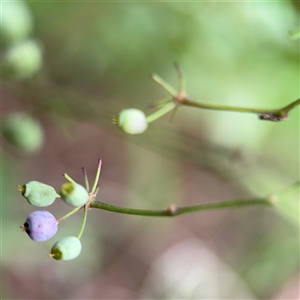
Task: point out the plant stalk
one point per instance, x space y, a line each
172 210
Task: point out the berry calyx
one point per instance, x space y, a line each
67 248
40 225
38 193
74 194
132 121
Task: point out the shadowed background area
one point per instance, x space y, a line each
72 65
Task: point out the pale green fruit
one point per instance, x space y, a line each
132 121
74 194
22 60
67 248
24 132
16 21
38 193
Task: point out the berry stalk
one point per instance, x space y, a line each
83 222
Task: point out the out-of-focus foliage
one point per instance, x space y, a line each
95 61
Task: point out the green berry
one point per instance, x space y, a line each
132 121
38 193
16 21
74 194
24 132
67 248
22 60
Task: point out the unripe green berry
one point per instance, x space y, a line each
22 60
74 194
67 248
38 193
24 132
132 121
16 21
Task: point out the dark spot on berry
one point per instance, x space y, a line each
26 228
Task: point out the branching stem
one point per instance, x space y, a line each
181 99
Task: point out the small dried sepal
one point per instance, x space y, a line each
273 117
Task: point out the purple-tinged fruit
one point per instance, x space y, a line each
40 225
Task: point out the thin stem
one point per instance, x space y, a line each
289 107
75 210
87 186
172 210
161 103
166 86
264 114
188 102
97 176
181 80
161 112
69 178
96 191
83 222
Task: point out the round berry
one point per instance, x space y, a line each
132 121
67 248
22 60
74 194
40 225
16 21
38 193
24 132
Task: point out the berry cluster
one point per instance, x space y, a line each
21 61
41 225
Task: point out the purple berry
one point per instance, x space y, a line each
40 225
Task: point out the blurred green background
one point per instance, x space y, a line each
72 65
